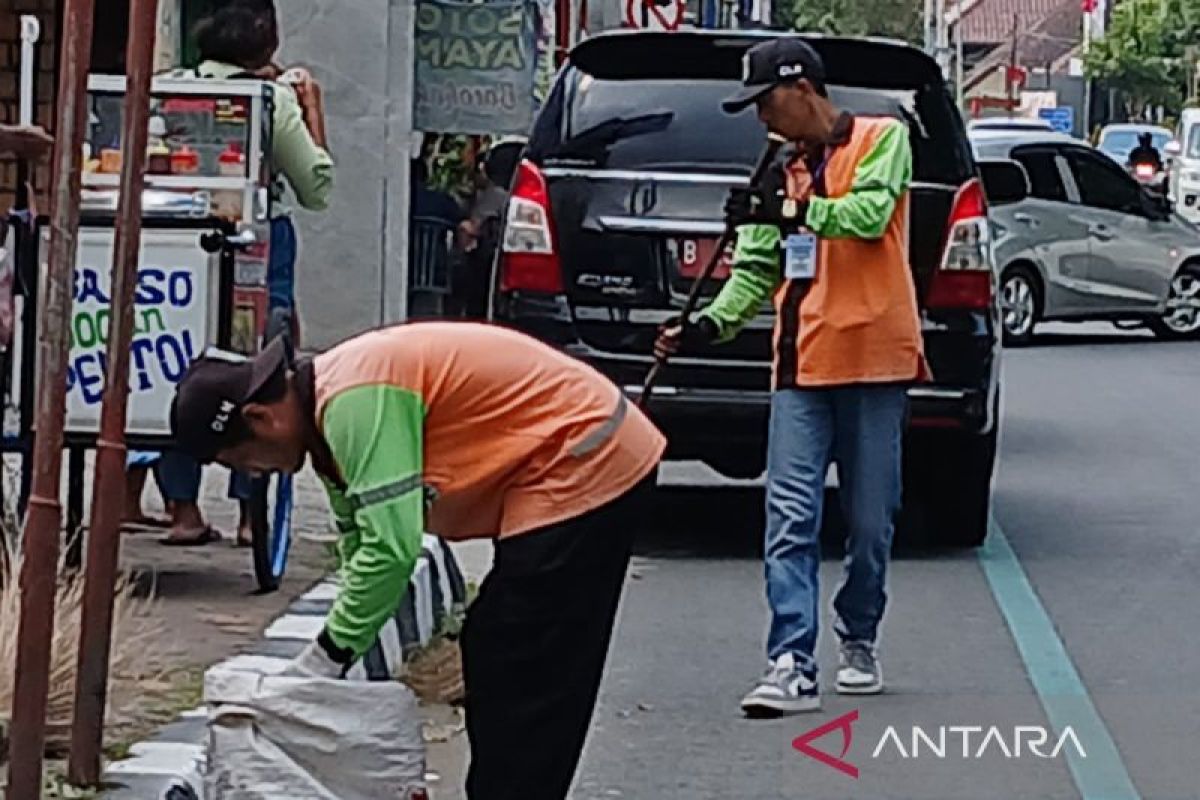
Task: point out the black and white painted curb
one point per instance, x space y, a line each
170 765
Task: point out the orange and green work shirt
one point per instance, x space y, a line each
467 431
857 321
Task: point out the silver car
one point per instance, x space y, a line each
1088 243
1118 140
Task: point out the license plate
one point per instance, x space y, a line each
693 256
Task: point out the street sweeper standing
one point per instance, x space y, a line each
467 431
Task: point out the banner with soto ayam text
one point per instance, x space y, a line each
475 66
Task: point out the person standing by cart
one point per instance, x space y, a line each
470 431
240 41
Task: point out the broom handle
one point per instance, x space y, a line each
774 142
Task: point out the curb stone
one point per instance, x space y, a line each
170 765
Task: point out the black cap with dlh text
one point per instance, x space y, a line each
771 64
206 416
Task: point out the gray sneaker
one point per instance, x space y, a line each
860 672
783 690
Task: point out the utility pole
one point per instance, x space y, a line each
930 26
1086 125
959 69
941 30
937 34
1011 77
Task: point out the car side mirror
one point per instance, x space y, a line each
1004 181
1173 149
1158 206
1165 206
502 159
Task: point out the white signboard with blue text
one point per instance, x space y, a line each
1061 118
175 319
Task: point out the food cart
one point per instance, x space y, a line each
201 279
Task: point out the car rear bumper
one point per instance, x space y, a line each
734 415
707 407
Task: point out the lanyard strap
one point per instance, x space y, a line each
818 175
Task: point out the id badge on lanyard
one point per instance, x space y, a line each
800 256
801 253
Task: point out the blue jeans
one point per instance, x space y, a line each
859 428
179 474
281 270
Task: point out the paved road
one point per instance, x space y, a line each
1096 495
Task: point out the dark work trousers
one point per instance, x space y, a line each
534 647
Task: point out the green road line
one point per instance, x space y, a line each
1101 775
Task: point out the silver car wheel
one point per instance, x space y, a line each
1018 304
1183 304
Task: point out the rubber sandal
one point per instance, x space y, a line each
207 536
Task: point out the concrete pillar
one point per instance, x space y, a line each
352 268
404 143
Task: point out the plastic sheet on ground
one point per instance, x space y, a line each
275 737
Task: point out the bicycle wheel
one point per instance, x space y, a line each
271 526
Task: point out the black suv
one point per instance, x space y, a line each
617 206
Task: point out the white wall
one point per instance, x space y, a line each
352 268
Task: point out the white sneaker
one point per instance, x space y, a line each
783 690
860 672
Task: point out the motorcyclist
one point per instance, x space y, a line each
1146 153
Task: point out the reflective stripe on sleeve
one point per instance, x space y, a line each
384 493
604 431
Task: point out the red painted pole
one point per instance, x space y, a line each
43 525
562 31
108 486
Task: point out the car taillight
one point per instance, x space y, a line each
529 253
964 278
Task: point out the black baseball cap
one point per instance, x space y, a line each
771 64
206 415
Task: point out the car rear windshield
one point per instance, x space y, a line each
662 124
1119 144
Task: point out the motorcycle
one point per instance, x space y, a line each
1150 176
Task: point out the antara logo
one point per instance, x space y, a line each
970 742
845 724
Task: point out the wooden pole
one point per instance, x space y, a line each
43 525
108 487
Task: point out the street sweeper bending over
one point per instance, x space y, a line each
468 431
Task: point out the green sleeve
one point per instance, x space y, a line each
307 167
754 278
879 181
376 436
347 528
